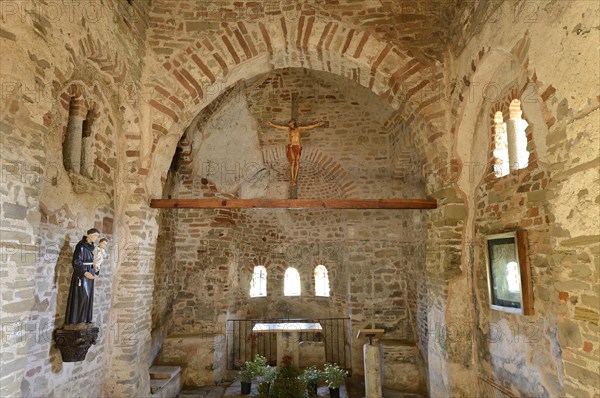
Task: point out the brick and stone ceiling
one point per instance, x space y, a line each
421 27
196 49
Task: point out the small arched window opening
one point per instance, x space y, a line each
258 284
78 145
510 141
291 283
321 281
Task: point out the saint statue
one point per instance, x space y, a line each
80 303
294 149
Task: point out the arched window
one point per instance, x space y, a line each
78 144
291 282
258 284
510 141
321 281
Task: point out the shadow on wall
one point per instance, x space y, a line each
62 277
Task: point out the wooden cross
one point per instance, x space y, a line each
294 149
294 106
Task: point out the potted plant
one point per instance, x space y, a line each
250 371
311 377
269 375
334 377
288 383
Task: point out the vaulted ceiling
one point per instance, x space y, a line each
421 27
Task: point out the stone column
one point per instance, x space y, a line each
517 139
287 344
74 138
373 367
87 145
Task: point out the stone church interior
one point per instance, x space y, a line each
430 223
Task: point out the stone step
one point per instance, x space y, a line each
165 380
356 389
163 372
232 390
389 393
158 384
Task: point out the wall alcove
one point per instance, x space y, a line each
209 255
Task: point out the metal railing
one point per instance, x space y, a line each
243 344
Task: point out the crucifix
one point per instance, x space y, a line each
294 149
293 202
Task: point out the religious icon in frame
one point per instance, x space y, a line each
509 281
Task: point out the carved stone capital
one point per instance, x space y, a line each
74 341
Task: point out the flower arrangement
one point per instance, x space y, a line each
286 369
334 375
251 370
269 374
287 382
312 375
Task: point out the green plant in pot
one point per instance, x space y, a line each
269 375
311 377
334 377
288 384
250 372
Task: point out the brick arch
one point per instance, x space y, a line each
488 70
515 93
259 260
102 56
88 100
208 66
329 169
485 72
473 103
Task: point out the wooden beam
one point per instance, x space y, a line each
293 203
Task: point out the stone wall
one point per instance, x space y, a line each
164 293
550 353
64 67
147 75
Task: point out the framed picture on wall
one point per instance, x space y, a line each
509 280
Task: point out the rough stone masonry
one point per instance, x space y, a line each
106 104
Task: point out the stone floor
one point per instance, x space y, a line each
233 390
352 389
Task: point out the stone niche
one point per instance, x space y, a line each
205 258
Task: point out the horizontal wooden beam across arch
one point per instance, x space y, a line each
293 204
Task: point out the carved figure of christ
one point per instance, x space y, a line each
294 148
